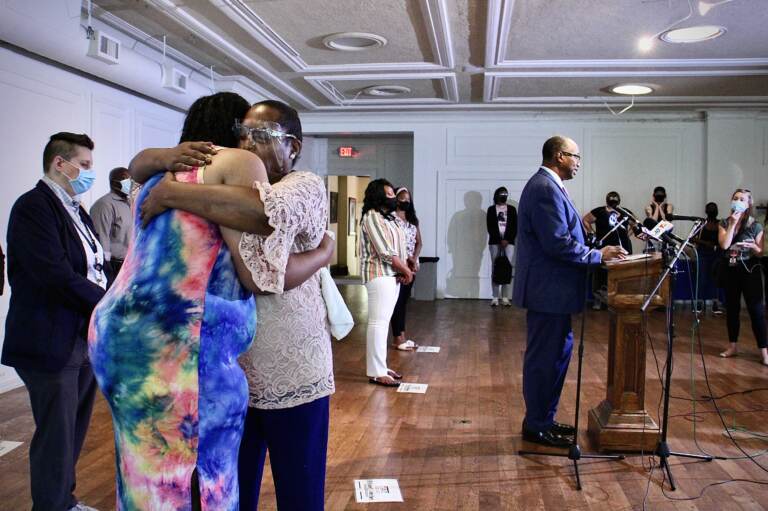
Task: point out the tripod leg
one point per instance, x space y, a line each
578 478
668 470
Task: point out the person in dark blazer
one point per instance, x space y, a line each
501 217
56 275
550 281
2 271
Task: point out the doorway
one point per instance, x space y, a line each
346 201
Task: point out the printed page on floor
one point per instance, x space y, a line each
377 490
413 388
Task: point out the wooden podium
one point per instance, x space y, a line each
620 422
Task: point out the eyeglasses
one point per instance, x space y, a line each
572 155
262 134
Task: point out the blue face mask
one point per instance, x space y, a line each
738 206
84 180
125 186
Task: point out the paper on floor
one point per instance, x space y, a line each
377 490
413 388
428 349
7 446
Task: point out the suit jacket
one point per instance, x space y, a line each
492 222
550 270
51 297
2 271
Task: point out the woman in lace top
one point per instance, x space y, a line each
406 219
289 365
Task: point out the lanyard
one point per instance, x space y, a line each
88 237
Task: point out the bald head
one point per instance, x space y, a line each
553 146
561 154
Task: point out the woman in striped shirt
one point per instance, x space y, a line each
383 267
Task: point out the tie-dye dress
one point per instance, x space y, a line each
164 344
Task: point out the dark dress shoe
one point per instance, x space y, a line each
547 438
562 429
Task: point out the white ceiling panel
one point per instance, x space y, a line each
465 53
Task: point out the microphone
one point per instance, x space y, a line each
687 218
663 231
637 225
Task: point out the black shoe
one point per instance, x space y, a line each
547 438
562 429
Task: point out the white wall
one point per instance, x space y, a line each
737 155
460 158
38 100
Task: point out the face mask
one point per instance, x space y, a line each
659 198
404 205
738 207
125 186
84 180
502 198
390 204
612 202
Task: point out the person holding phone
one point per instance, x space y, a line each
741 238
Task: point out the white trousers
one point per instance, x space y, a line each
382 297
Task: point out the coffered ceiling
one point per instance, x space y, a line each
466 54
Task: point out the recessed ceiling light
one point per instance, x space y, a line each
354 41
631 89
645 44
386 90
692 34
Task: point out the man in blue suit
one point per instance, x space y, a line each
550 281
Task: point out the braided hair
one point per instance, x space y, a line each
211 118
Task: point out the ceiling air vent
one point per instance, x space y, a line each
104 47
174 79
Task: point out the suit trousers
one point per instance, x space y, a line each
297 441
61 406
382 296
547 355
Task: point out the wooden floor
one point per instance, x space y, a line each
456 446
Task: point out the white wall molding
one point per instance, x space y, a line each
631 74
634 63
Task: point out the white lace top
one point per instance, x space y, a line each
290 361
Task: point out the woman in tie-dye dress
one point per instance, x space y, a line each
164 344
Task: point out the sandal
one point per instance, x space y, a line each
394 374
384 383
726 354
408 345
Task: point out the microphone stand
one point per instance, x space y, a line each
574 450
662 448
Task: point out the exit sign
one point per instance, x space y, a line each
347 152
